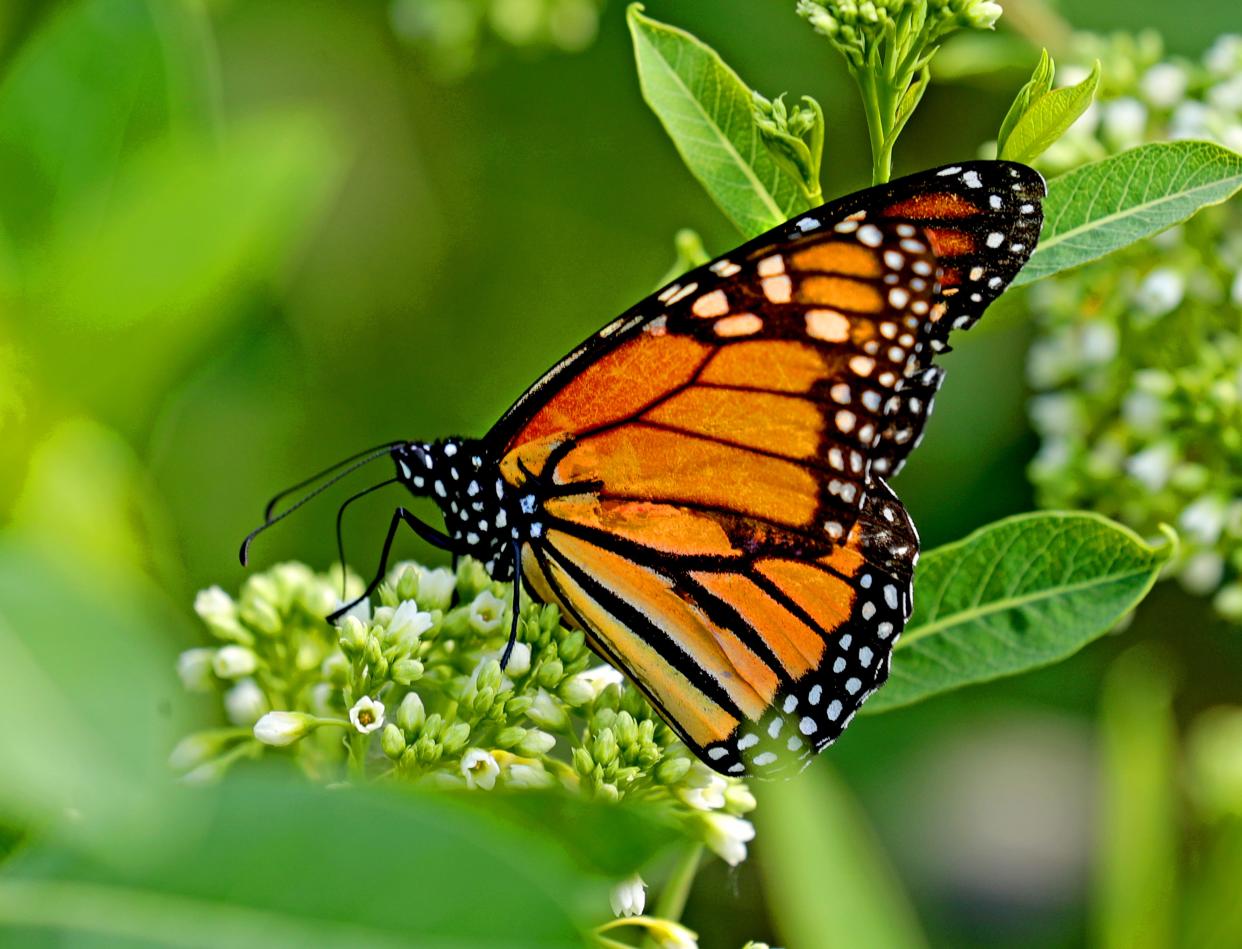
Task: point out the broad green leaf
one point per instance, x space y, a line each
1047 116
1038 85
1015 595
267 862
101 77
1136 879
709 114
1101 207
826 875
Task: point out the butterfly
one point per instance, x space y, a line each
701 486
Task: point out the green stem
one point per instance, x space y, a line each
672 902
881 145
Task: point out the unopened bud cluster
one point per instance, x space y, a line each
1137 367
416 689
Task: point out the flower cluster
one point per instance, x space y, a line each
1137 366
888 46
456 34
414 690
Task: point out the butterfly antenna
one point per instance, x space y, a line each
267 511
340 515
378 452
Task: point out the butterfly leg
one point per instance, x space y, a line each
517 606
425 531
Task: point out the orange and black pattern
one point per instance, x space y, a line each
700 486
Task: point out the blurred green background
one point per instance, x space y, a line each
239 240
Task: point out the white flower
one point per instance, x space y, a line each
194 668
321 699
1151 466
367 715
1164 85
1204 519
629 897
519 660
479 769
1058 413
435 588
1225 55
217 609
1161 291
487 612
1142 410
739 799
727 836
1203 572
193 750
233 662
536 742
709 795
245 703
408 623
1125 121
1098 342
1190 120
282 728
1227 95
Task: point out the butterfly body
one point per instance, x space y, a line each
701 485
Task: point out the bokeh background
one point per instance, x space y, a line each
242 239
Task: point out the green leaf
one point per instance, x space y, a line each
1038 85
1047 116
1136 878
264 862
709 114
829 882
1024 592
1101 207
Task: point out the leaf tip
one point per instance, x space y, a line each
1172 541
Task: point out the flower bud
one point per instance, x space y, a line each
577 691
519 661
194 668
217 609
407 581
673 769
573 646
260 614
483 701
353 632
245 703
535 743
410 713
471 578
546 712
605 748
455 737
405 671
392 741
629 897
583 763
508 737
233 662
551 673
283 728
435 588
528 776
194 750
727 836
738 798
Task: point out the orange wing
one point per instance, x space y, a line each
704 506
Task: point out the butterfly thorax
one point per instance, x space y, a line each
482 515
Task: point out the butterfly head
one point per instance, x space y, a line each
455 474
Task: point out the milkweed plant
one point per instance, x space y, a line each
1139 417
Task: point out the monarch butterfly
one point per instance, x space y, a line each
700 486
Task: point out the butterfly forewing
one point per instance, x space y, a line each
704 473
